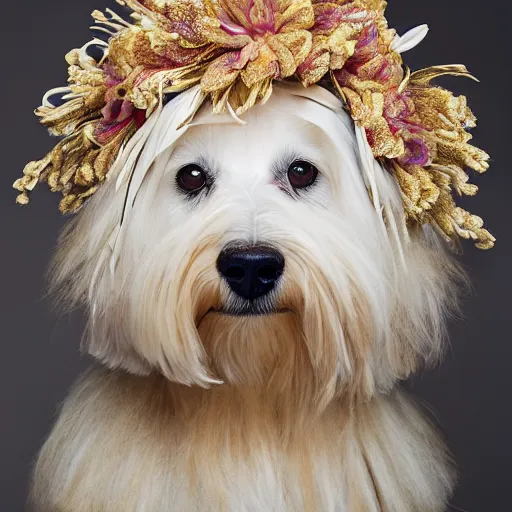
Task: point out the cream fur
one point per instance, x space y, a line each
296 411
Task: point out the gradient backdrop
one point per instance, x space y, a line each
40 358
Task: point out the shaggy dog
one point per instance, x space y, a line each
253 326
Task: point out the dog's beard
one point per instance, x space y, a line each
238 307
294 342
246 350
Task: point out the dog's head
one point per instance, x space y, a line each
257 249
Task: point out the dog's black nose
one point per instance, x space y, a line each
251 271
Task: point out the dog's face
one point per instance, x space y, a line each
256 247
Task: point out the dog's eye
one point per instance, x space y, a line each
191 178
302 174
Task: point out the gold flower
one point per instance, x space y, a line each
235 49
267 40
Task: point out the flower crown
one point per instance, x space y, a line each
235 50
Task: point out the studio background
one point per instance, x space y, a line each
469 393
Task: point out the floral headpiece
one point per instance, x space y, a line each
235 50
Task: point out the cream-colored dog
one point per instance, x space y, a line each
253 318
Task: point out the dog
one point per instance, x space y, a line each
254 328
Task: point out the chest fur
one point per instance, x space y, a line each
127 444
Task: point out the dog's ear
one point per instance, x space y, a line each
425 287
429 285
79 277
80 257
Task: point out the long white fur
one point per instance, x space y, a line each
199 411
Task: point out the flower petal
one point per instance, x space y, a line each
299 43
316 65
294 15
416 152
264 66
284 56
261 16
222 72
329 16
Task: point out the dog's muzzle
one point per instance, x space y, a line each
251 272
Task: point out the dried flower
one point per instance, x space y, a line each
236 49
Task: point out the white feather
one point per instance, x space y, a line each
58 90
410 39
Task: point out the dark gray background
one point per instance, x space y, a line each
40 358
